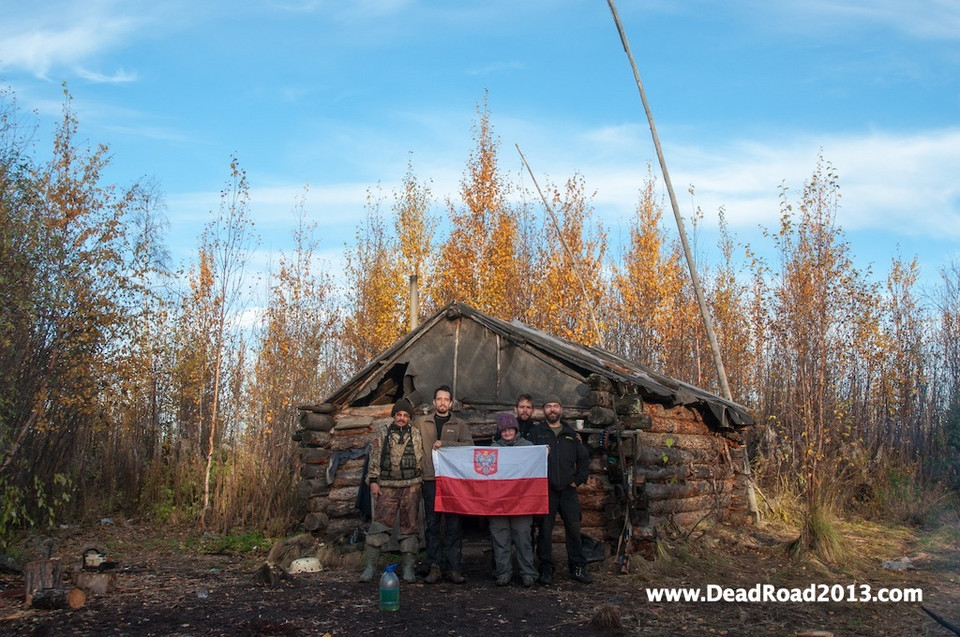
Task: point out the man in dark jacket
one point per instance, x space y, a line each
568 465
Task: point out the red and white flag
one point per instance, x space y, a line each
492 480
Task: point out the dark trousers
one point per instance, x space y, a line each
445 549
566 502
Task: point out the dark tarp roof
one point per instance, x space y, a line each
490 361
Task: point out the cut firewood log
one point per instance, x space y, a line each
58 598
599 399
354 422
628 404
40 575
311 487
598 382
637 421
313 421
602 416
320 408
96 583
309 438
316 521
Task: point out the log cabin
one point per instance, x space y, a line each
662 451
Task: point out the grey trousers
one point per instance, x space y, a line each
515 529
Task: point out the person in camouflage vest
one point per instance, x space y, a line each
395 475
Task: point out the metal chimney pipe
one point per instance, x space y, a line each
414 303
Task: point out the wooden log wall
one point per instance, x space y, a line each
683 472
327 436
688 472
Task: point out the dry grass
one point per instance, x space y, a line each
819 538
607 619
350 561
331 557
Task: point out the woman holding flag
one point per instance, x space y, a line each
511 529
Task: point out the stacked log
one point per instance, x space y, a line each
325 434
687 470
601 401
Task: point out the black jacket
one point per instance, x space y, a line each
527 427
568 461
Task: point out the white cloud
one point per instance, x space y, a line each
119 77
44 38
937 19
62 38
898 183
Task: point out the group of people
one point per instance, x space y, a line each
401 474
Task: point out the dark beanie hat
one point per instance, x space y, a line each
402 405
505 421
552 399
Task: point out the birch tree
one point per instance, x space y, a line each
818 305
375 289
646 285
226 244
478 262
572 290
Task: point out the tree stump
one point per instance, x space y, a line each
39 575
57 598
96 583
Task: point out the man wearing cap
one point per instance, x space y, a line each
515 529
568 465
395 474
441 429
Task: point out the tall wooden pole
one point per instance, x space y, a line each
701 301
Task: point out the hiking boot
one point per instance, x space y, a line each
527 581
456 577
434 575
503 580
546 577
580 574
409 574
371 556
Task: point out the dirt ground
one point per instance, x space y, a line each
169 585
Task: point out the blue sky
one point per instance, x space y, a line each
339 95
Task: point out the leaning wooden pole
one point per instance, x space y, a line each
573 259
701 299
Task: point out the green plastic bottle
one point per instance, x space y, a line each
389 589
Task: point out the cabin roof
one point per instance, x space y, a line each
534 356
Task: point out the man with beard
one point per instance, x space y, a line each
395 475
441 429
568 465
524 411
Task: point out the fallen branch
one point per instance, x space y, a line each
941 620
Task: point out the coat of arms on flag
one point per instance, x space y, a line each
485 461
